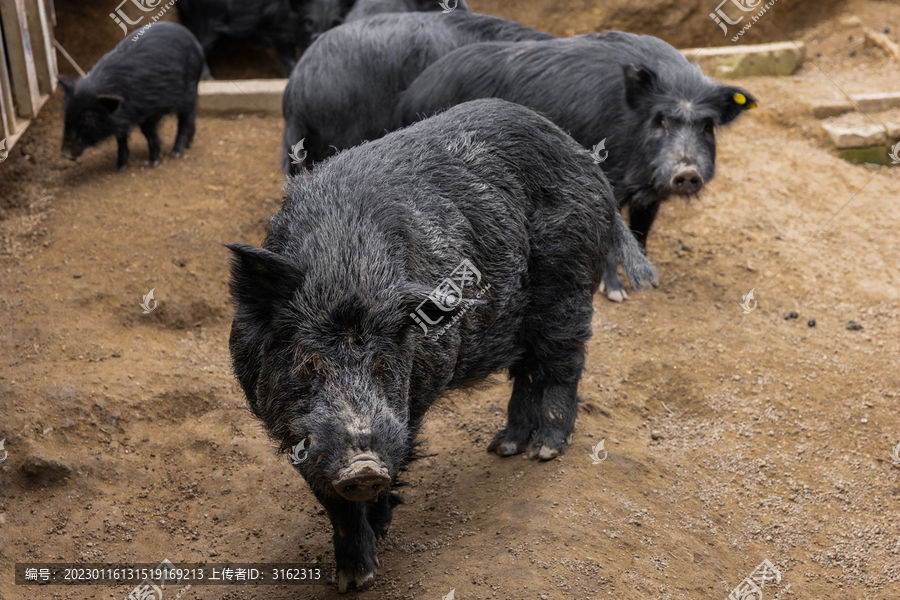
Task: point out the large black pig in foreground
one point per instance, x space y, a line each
466 244
344 88
634 98
137 83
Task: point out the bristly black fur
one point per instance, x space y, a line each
655 112
345 86
137 83
323 342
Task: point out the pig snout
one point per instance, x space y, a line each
686 180
364 479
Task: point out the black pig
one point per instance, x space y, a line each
318 16
345 86
137 83
364 9
466 244
266 23
654 113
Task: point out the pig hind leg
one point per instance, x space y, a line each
149 129
187 125
560 326
522 413
611 284
354 542
543 404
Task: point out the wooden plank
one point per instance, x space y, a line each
10 121
26 89
50 9
42 45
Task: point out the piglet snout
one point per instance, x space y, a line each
686 180
364 479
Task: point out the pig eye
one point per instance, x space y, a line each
708 127
659 121
381 368
311 368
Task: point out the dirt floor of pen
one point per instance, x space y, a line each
731 437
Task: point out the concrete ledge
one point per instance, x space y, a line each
782 58
876 102
866 103
241 96
856 137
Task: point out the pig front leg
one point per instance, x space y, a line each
640 218
559 330
122 157
522 415
380 514
354 542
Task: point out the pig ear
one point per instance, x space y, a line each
260 278
732 101
639 83
110 103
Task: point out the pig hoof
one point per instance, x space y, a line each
154 163
543 453
602 286
177 153
506 447
348 579
616 295
121 168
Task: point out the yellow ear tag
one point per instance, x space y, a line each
740 99
752 105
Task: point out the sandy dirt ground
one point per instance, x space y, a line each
729 438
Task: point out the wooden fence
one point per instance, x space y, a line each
27 64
